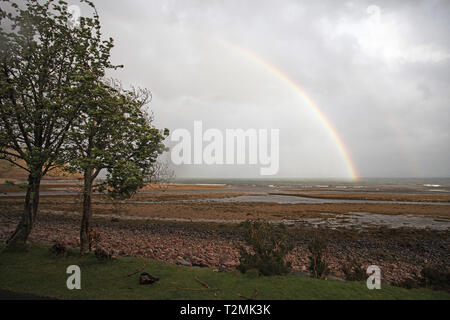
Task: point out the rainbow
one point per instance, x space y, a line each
330 129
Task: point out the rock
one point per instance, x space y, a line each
200 264
114 219
230 263
223 269
183 262
147 278
331 277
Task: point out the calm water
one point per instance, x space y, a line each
428 182
286 199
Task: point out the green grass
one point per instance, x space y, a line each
38 272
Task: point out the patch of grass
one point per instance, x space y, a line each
38 272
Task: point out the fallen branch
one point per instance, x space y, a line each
198 289
133 273
255 293
201 282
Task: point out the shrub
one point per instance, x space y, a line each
268 245
58 249
103 254
409 283
319 258
94 238
436 277
354 271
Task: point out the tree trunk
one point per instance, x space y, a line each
85 238
19 238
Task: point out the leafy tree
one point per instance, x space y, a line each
45 65
113 133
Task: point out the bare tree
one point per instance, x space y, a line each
160 175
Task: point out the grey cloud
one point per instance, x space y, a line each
384 87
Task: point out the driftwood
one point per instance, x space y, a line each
201 282
198 289
206 286
133 273
255 293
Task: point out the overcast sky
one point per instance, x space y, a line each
378 70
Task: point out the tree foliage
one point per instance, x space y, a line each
115 133
112 133
45 65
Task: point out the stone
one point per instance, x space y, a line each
331 277
183 262
147 278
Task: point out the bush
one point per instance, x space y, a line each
408 283
436 277
103 254
268 246
354 271
319 258
58 249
